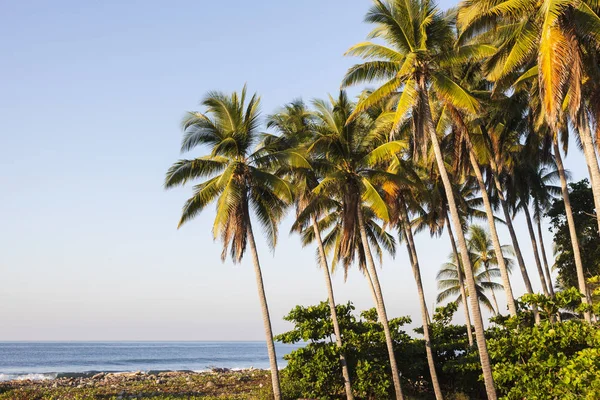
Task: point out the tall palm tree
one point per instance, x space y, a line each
465 136
348 151
235 178
419 44
484 253
294 124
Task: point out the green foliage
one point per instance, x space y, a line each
458 364
547 361
314 371
582 203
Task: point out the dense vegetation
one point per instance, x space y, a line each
469 117
549 360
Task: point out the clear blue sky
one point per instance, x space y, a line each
91 100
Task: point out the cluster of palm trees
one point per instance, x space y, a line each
468 117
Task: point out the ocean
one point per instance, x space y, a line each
47 360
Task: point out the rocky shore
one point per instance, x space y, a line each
220 383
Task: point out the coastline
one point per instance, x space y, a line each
48 376
218 382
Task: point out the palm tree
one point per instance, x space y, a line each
449 285
464 132
556 43
295 127
234 178
419 45
484 253
347 151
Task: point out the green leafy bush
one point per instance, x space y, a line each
314 371
552 360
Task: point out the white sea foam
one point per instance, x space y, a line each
22 377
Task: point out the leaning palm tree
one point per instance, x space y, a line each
347 153
484 254
464 129
419 46
294 125
234 177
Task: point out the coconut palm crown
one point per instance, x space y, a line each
234 172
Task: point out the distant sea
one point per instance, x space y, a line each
47 360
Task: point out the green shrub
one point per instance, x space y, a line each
552 360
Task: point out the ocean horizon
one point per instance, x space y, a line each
51 359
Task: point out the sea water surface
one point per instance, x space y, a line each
46 360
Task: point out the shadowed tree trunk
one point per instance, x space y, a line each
461 282
414 260
536 254
265 314
382 314
334 319
545 259
572 228
510 300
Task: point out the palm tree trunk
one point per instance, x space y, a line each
484 356
489 277
572 228
536 254
461 283
414 260
592 162
510 300
334 319
265 313
543 251
511 229
513 235
380 306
